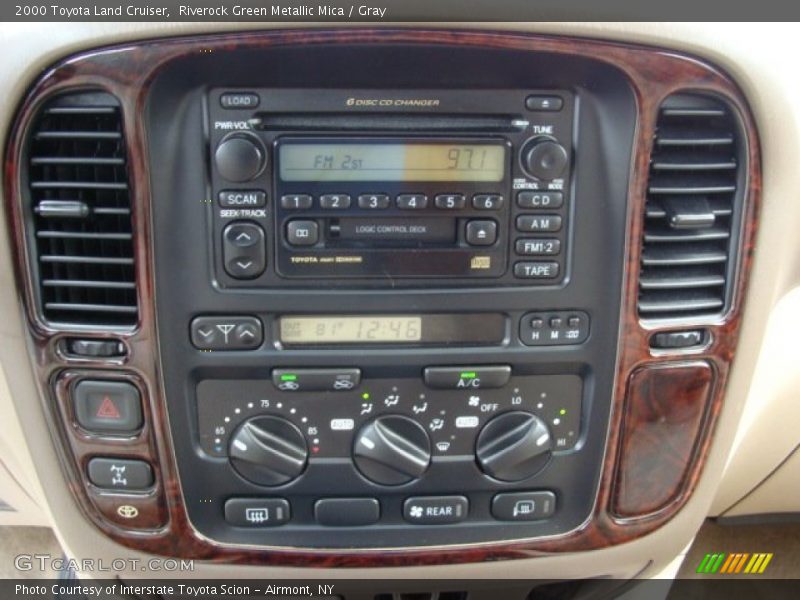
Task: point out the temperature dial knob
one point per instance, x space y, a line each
513 446
544 159
240 157
268 450
392 450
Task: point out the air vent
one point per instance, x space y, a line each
81 212
693 205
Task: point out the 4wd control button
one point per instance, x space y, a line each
257 512
471 378
435 510
316 380
120 474
523 506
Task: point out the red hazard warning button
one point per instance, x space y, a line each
108 406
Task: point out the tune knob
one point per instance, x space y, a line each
544 159
392 450
513 446
268 450
240 157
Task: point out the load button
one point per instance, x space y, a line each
470 378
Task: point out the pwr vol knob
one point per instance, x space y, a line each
240 157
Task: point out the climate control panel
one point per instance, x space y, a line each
387 421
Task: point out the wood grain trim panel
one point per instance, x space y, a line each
127 73
662 423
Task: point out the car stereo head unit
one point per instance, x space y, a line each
390 187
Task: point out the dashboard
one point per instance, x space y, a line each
477 301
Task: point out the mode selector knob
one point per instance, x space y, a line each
268 450
544 158
392 450
240 157
513 446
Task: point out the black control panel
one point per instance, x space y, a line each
390 187
388 282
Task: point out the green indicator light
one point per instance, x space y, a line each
469 375
365 395
563 411
288 377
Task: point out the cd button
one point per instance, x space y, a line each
334 201
487 201
296 201
450 201
373 201
302 233
412 201
481 233
531 199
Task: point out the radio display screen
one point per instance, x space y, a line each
475 328
392 162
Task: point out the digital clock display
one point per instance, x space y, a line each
344 329
392 162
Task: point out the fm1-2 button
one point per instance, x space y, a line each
108 406
226 333
435 510
257 512
453 378
302 233
120 474
481 233
523 506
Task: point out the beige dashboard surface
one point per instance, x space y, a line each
761 399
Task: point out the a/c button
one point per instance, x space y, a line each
468 377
